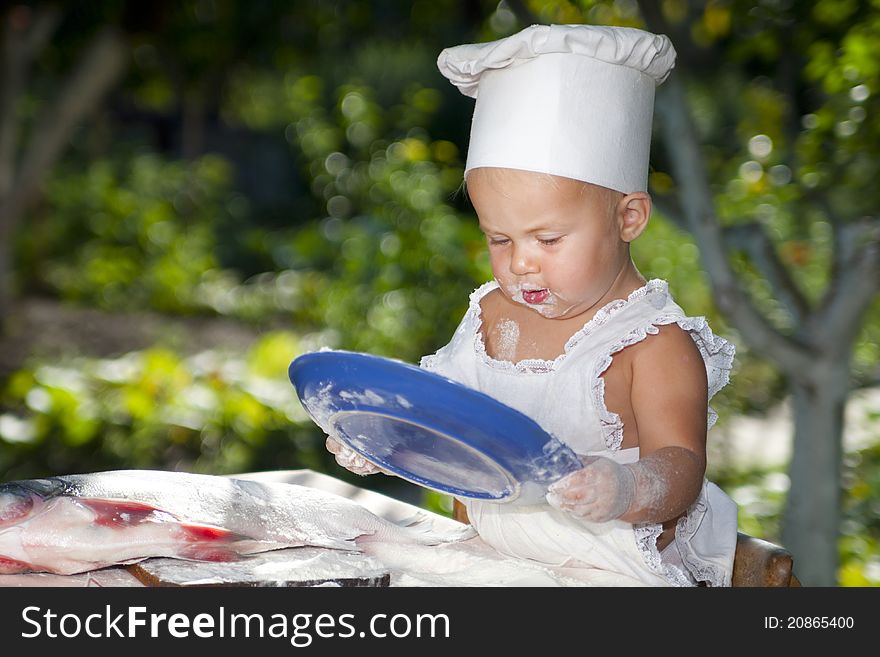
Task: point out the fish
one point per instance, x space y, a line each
76 523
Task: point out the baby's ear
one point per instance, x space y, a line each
633 211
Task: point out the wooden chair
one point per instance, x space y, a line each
756 563
760 563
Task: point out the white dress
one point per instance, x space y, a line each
621 553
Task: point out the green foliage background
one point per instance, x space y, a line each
326 209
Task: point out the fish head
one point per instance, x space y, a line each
21 500
16 504
16 508
23 503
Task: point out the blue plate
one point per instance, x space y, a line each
428 429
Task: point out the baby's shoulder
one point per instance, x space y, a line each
669 352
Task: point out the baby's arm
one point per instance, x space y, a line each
669 402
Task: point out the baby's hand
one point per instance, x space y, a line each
601 491
349 459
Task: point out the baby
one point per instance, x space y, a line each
569 332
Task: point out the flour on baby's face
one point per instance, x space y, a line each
551 307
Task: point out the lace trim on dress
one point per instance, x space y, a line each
429 362
685 529
646 541
538 365
718 355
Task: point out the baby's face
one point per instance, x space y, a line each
554 243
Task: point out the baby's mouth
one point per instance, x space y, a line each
535 297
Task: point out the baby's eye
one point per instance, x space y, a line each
498 241
549 241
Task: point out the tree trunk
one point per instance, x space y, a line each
812 515
100 67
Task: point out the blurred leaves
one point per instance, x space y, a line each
210 412
297 166
145 231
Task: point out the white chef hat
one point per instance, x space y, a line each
570 100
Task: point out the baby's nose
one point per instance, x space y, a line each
523 261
